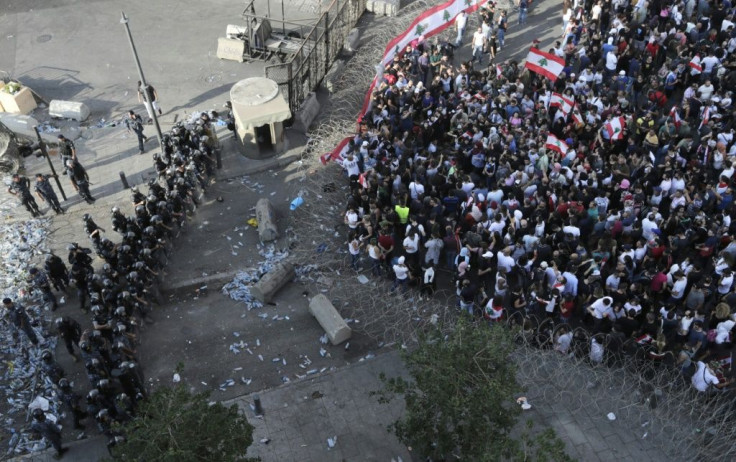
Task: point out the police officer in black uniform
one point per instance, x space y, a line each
48 430
71 332
51 368
57 272
80 180
20 186
71 399
46 192
41 282
20 319
67 152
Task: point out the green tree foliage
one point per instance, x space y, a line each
178 426
460 400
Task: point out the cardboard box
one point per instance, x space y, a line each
21 102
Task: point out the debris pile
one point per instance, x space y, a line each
239 287
22 377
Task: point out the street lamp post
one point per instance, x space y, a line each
124 21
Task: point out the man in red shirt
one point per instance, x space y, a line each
386 243
659 281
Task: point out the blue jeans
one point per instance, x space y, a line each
450 259
522 15
478 53
459 39
500 35
402 283
376 267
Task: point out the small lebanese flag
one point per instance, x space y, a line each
338 153
499 71
695 65
675 116
556 144
363 181
706 117
556 100
576 116
545 64
615 128
563 102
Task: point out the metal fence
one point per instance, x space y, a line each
309 65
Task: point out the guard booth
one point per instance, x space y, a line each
259 111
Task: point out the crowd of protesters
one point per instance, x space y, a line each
627 231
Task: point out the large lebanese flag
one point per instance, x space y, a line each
337 154
543 63
556 144
615 128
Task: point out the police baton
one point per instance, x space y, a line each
42 145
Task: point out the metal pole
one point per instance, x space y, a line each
45 153
283 18
124 21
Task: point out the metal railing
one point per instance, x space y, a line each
309 65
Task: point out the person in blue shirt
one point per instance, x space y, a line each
511 108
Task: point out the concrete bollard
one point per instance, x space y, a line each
266 217
124 180
265 289
335 327
257 407
68 110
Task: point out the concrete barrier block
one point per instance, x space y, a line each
266 218
307 113
352 40
68 110
266 288
330 80
335 327
383 7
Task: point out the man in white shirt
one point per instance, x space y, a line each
479 40
571 284
351 165
678 287
402 275
460 22
611 62
600 310
709 63
416 189
706 91
504 259
704 379
562 344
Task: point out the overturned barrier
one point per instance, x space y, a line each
266 217
335 327
265 289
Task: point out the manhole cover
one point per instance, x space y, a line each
43 38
